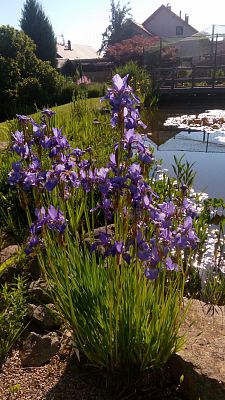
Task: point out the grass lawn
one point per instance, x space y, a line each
62 111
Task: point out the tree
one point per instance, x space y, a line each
38 27
25 80
133 48
119 26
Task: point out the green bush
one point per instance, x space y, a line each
96 90
25 81
67 91
90 90
140 79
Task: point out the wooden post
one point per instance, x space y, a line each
214 66
212 41
160 51
172 81
192 77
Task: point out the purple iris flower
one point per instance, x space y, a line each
103 240
16 176
78 153
145 156
114 249
45 142
151 273
35 165
52 181
134 172
168 209
170 265
188 223
120 84
30 181
23 118
33 242
56 220
47 112
144 250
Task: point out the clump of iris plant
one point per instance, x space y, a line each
121 290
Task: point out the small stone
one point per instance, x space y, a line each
66 343
6 255
38 292
44 316
8 252
38 349
105 110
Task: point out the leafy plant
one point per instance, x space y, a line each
139 78
12 314
213 288
184 173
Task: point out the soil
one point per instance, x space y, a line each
65 380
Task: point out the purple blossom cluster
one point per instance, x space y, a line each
52 218
157 235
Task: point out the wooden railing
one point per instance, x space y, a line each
189 77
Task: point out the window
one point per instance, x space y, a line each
179 30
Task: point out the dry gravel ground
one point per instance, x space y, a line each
55 380
63 380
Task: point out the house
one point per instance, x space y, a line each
166 24
76 58
75 51
176 31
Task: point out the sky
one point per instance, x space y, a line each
84 21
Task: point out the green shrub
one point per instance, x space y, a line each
25 80
96 90
140 79
67 91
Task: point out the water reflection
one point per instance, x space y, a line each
205 150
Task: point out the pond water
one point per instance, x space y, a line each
206 151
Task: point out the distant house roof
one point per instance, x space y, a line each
141 29
76 51
168 10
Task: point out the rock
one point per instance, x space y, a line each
66 343
38 292
4 145
34 268
202 360
96 121
38 349
105 110
8 252
45 316
97 232
7 257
